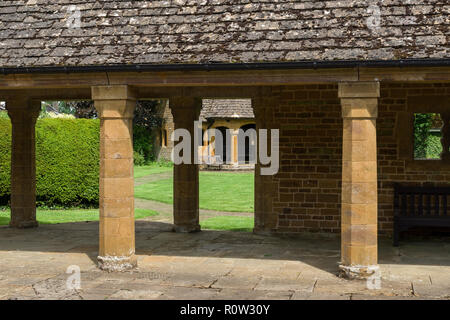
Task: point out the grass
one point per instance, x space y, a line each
220 191
70 215
230 223
142 171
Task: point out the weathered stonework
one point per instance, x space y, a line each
307 188
163 149
23 113
42 33
115 106
185 176
359 249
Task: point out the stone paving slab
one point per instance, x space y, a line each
210 265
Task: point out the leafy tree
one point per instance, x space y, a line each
422 126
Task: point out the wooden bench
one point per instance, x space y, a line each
416 206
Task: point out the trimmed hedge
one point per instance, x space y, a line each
5 159
67 162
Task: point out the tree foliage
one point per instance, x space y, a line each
427 144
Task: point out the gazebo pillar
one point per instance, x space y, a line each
359 102
23 113
115 106
185 111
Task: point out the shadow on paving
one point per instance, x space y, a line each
156 238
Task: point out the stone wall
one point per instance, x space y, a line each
309 180
163 152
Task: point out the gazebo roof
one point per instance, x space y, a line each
46 33
227 109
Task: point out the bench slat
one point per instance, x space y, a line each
412 209
420 213
436 204
445 204
416 206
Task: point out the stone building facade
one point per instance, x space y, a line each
341 80
162 144
216 114
308 185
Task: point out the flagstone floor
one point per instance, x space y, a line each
211 265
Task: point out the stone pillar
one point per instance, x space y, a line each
359 102
185 111
234 147
115 106
23 113
266 220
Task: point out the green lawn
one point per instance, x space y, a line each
221 191
142 171
70 215
231 223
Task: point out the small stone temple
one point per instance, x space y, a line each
341 80
216 114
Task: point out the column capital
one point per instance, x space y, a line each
359 89
113 92
359 108
117 101
20 107
185 108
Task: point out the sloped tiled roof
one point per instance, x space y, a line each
47 33
227 108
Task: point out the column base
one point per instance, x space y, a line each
24 224
114 263
263 232
186 228
358 272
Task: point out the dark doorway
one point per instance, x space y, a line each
246 157
224 152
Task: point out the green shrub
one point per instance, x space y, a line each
67 162
434 146
164 163
142 144
5 159
138 159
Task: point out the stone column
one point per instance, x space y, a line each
23 113
359 102
234 147
185 111
266 220
115 106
